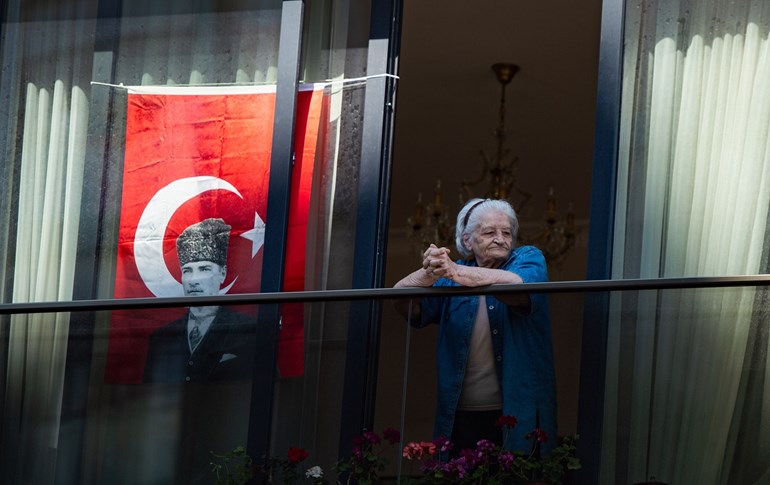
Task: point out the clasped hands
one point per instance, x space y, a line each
437 263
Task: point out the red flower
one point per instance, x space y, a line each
297 455
393 436
372 437
507 421
358 440
539 435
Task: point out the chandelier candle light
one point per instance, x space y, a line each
432 222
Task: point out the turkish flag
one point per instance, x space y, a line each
193 154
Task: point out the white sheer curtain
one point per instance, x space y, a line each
694 189
56 58
198 45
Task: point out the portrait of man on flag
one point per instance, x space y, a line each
192 222
209 343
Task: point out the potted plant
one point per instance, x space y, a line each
368 458
548 468
237 468
488 463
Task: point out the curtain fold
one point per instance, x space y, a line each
693 201
53 127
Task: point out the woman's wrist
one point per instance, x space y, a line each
419 278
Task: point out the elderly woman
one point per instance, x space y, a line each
494 352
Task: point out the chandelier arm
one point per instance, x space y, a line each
467 185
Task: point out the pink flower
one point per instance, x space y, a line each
505 459
416 451
412 451
469 458
458 466
429 447
443 443
485 446
430 466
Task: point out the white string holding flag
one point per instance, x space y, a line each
235 88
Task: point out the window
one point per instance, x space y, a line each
64 137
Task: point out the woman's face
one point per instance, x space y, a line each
492 240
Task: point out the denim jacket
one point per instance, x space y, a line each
522 348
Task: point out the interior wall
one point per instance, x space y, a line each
448 99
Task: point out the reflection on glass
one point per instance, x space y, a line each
207 343
61 214
670 353
685 380
692 201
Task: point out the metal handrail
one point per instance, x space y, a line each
383 294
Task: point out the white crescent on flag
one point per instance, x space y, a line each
148 242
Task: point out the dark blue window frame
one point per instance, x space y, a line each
603 186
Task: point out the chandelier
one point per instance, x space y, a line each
433 222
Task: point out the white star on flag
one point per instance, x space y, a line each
256 235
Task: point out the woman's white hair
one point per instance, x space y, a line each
469 216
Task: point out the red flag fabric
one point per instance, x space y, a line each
292 339
194 155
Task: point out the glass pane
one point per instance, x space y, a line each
67 415
205 43
686 387
75 412
408 368
92 421
164 428
332 51
335 56
670 352
330 248
47 58
65 126
692 194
